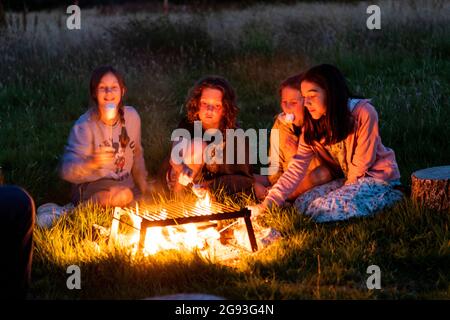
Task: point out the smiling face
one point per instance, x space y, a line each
108 91
210 109
292 102
314 99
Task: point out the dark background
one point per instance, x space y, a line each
18 5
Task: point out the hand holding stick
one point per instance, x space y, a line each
102 158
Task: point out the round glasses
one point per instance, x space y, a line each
108 89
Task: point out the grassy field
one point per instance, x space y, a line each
404 68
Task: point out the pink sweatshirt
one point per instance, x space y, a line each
366 155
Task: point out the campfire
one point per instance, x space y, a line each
183 225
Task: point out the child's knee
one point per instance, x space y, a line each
116 197
321 175
121 197
260 191
261 180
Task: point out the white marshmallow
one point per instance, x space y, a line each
289 117
199 191
110 111
184 179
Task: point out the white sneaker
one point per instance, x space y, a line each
48 213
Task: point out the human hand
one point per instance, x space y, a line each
256 210
200 190
108 174
102 158
185 176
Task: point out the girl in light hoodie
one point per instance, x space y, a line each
103 158
343 132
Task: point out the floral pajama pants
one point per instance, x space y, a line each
335 201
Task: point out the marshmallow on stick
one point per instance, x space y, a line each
289 117
110 110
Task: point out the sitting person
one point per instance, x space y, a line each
284 138
211 106
17 217
343 132
103 158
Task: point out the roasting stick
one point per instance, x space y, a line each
228 226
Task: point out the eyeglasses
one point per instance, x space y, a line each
107 89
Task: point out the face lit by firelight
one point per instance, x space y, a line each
314 99
292 102
108 91
210 108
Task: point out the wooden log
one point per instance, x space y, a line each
431 187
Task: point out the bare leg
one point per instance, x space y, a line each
115 197
316 177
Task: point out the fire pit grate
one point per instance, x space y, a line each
171 214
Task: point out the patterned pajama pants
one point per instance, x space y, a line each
335 201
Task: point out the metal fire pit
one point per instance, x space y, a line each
182 213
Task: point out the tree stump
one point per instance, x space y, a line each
431 187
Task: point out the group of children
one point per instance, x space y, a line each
327 156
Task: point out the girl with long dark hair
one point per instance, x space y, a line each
342 130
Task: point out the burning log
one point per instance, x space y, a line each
431 187
159 227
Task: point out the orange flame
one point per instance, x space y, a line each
185 236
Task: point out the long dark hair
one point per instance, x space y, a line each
338 121
230 108
96 77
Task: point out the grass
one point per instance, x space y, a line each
410 246
403 67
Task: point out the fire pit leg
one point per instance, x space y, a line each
114 227
251 234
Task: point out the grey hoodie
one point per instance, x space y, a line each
89 135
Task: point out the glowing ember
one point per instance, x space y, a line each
186 236
199 236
